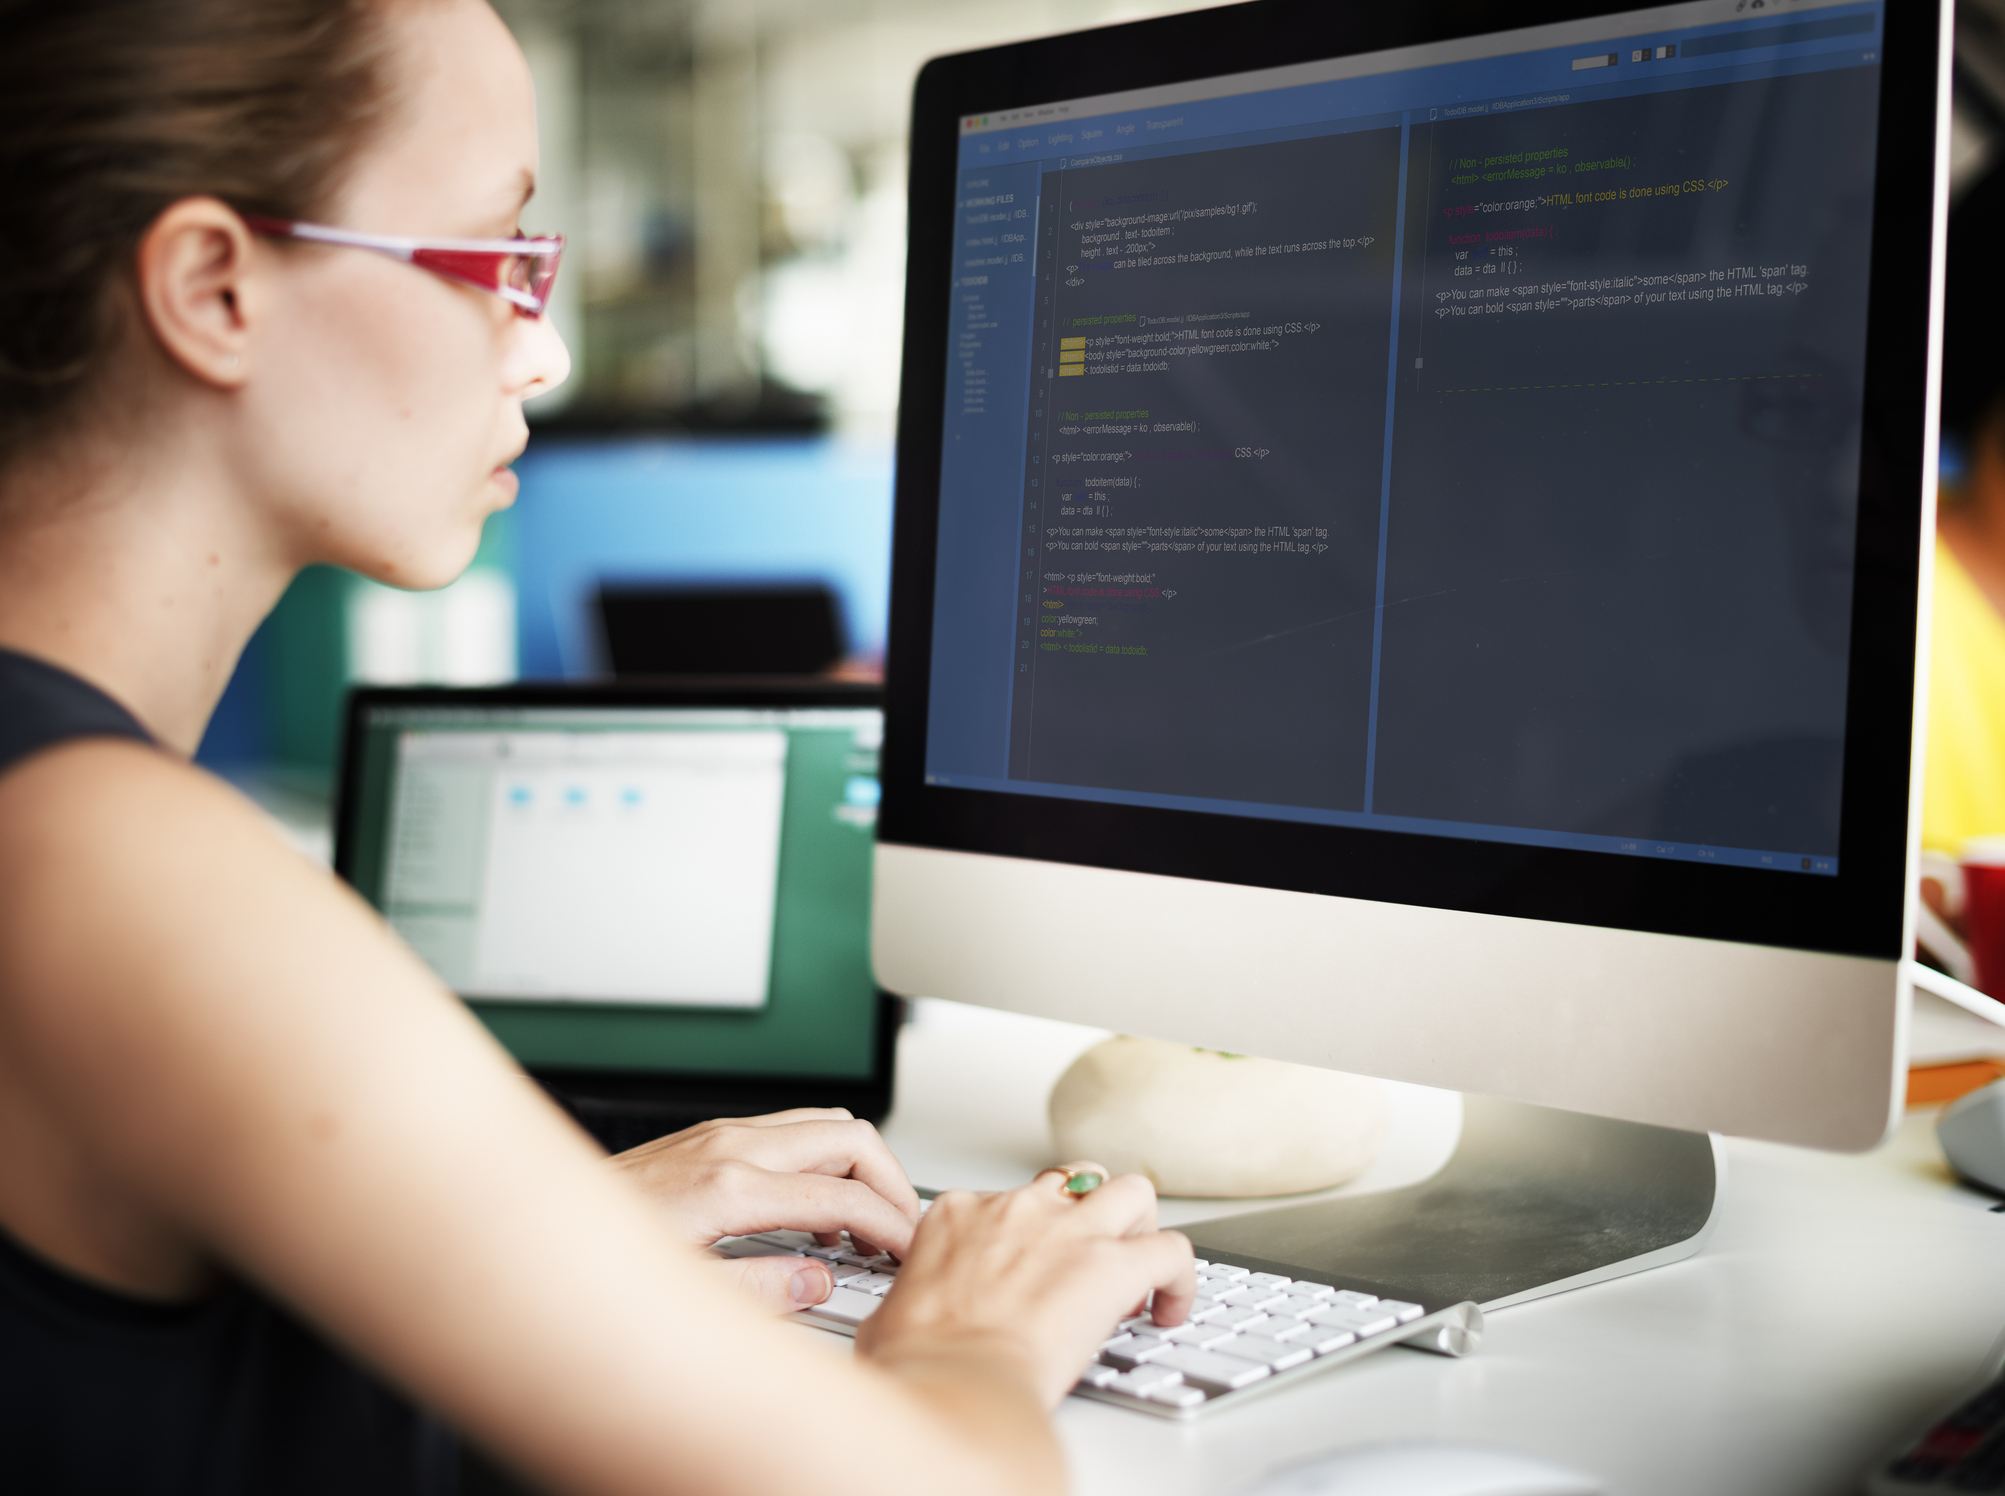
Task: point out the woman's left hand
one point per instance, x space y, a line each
810 1169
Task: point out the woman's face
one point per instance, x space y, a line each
383 403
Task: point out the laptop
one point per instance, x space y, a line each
656 894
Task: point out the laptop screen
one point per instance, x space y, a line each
1461 440
680 889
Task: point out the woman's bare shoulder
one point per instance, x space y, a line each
139 890
90 797
108 832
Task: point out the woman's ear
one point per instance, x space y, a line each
194 271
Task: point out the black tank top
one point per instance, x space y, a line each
104 1394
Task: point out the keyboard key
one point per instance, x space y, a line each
1138 1382
1100 1376
751 1246
874 1284
1241 1318
1285 1327
1203 1311
1312 1290
1269 1353
1199 1262
1399 1309
1269 1280
1322 1339
1202 1336
1251 1298
851 1308
1176 1394
826 1254
1352 1300
1224 1270
1211 1371
1360 1322
1254 1298
844 1273
1129 1351
1138 1324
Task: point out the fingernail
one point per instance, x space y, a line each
811 1285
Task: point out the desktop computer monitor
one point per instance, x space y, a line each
1409 544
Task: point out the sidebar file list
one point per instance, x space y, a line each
988 379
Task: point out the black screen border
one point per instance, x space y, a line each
1859 911
671 1094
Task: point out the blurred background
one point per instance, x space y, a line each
731 177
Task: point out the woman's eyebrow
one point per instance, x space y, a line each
513 196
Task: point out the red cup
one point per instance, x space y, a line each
1984 910
1973 896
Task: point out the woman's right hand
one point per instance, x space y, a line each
1036 1277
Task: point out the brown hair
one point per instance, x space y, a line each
111 111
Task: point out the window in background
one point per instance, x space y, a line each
733 172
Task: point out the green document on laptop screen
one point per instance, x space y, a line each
678 890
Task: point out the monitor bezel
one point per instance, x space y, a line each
1859 911
686 1093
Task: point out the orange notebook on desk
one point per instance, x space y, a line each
1950 1052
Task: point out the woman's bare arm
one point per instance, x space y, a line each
248 1056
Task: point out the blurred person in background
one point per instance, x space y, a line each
275 1211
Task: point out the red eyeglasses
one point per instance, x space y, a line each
520 270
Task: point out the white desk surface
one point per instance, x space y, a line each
1840 1302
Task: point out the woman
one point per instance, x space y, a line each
250 1146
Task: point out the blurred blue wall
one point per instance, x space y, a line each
622 509
699 510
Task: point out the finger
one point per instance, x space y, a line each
1124 1206
1167 1264
784 1285
815 1203
799 1114
840 1147
873 1163
1053 1180
667 1142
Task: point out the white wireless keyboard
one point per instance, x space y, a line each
1248 1331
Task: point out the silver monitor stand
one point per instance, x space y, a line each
1534 1201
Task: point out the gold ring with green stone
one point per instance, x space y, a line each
1083 1182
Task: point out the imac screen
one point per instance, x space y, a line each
1461 440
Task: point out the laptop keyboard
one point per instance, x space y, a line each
1248 1331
